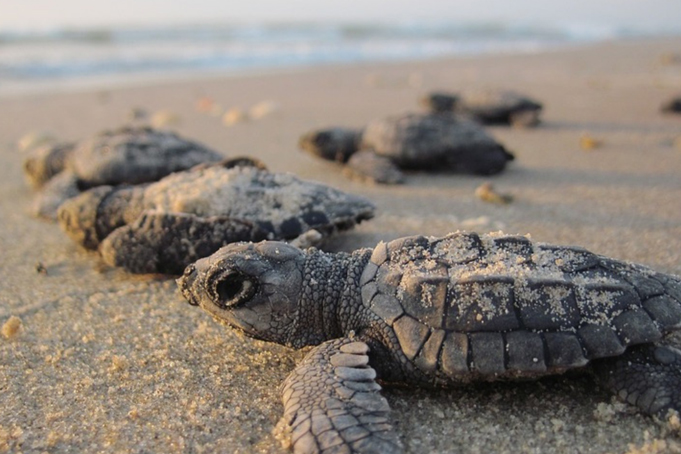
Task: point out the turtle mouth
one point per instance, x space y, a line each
242 327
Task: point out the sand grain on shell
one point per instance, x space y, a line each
241 193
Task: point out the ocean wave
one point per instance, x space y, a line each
312 31
72 53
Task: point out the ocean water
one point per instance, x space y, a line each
49 57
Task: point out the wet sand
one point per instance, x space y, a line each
109 362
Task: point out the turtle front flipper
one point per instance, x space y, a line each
89 217
648 376
160 242
332 403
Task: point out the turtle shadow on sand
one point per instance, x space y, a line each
601 127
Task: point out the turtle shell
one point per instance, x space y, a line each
467 305
428 141
280 202
493 105
164 226
135 155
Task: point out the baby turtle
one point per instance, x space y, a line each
436 312
164 226
409 141
488 107
129 155
672 106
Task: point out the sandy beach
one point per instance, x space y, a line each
107 362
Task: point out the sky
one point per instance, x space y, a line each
30 15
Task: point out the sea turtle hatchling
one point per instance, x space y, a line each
162 227
672 106
441 142
489 107
128 155
440 311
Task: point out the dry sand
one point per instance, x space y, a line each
109 362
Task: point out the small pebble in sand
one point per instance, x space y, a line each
206 104
11 327
262 109
233 116
669 58
588 142
118 363
487 193
164 118
40 268
34 139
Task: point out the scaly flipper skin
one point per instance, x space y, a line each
332 403
648 376
162 242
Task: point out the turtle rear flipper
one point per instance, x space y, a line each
332 402
368 166
159 242
648 376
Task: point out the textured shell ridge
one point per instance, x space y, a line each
498 291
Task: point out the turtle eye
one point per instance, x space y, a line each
233 289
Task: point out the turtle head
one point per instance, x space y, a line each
333 144
252 287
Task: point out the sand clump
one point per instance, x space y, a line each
11 328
